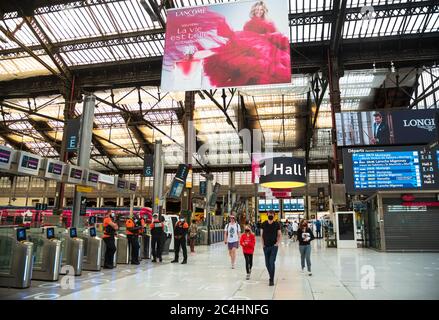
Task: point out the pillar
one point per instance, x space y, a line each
85 138
158 177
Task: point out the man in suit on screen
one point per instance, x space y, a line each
381 133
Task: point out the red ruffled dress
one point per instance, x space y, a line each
257 55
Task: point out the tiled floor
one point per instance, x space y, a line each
337 274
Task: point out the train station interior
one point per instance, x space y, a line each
152 126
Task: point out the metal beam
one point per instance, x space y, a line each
337 24
42 128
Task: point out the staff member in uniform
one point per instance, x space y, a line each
157 232
134 227
110 228
180 232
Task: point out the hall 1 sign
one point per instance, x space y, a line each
283 172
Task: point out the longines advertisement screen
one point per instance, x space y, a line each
227 45
381 127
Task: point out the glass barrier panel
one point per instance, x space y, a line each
7 239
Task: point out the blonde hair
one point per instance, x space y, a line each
258 4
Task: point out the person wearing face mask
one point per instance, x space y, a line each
134 227
305 236
110 228
157 233
271 236
247 242
180 232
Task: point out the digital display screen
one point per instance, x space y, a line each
93 177
73 233
410 167
76 174
92 220
346 226
121 184
5 156
276 205
176 189
21 234
50 233
29 162
92 232
268 205
262 205
133 186
55 168
294 204
182 172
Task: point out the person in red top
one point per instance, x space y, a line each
247 242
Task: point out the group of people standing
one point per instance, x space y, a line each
135 226
271 236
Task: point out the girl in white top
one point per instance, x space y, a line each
231 238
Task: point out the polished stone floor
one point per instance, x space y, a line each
345 274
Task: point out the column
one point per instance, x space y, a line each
158 177
85 136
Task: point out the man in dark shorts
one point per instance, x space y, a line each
271 236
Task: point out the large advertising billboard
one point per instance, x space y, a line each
386 127
236 44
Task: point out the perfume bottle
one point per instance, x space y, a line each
189 66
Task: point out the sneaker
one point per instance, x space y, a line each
248 276
309 273
303 271
233 266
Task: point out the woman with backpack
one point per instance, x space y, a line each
248 241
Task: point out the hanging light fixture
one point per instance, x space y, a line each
374 67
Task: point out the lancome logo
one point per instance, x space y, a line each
426 124
190 13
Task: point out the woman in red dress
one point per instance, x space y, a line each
257 55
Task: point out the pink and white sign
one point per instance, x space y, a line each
227 45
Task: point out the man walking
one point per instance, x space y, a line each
271 236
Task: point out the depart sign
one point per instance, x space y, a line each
283 172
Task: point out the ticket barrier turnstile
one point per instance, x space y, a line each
73 251
16 258
47 251
123 251
92 250
145 247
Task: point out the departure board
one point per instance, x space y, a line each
75 173
93 177
5 156
388 168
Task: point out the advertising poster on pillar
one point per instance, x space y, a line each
384 127
235 44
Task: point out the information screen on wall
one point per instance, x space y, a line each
243 43
176 189
75 174
389 168
262 205
54 170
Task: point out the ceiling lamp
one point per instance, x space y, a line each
283 172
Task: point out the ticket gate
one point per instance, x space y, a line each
123 250
16 258
47 253
73 251
145 247
92 250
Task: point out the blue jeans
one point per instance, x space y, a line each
305 253
270 259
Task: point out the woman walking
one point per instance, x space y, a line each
231 238
305 236
248 241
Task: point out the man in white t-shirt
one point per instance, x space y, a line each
231 238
